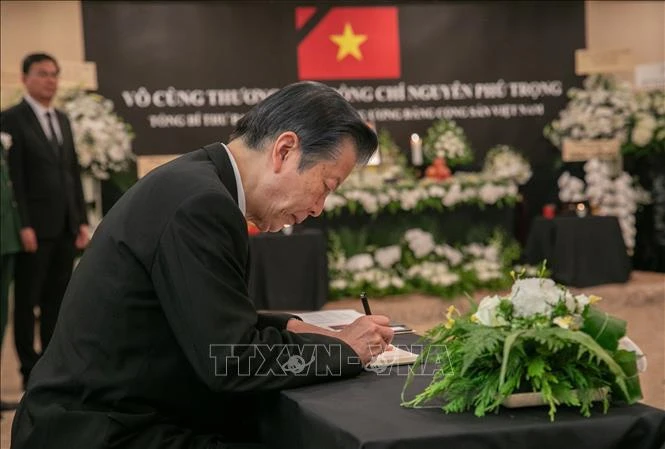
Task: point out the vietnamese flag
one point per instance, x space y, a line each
349 43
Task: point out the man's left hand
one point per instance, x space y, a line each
82 238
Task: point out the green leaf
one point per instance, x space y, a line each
483 341
507 345
627 360
535 368
603 328
598 352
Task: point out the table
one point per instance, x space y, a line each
364 412
288 272
580 252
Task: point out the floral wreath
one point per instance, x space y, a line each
646 128
504 161
103 140
446 139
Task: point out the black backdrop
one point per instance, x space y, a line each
237 52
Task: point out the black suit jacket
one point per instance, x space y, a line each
47 188
142 354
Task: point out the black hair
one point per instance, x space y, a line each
37 57
317 113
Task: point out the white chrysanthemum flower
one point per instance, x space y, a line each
360 262
421 243
338 284
642 135
488 312
490 194
397 282
475 249
388 256
454 256
534 296
436 273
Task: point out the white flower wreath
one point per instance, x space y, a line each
446 139
102 138
599 111
505 162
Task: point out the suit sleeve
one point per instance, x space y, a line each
199 276
278 320
76 175
16 162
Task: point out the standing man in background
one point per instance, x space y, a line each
47 187
10 243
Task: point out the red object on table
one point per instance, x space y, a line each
438 170
549 211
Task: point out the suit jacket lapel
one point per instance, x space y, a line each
36 126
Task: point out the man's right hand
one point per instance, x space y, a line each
29 240
368 336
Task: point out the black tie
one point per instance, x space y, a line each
54 137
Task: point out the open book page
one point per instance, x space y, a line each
337 319
331 319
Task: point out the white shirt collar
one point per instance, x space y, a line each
36 106
241 192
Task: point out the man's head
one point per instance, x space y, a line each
40 76
307 138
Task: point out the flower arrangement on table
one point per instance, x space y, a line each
618 196
505 162
609 109
646 128
601 110
419 263
540 338
446 140
481 189
103 140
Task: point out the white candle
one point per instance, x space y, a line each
416 150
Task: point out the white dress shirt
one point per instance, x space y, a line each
40 111
241 192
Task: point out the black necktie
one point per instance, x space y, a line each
54 137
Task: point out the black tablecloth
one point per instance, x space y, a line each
364 412
580 252
288 272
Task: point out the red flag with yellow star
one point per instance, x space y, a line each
349 43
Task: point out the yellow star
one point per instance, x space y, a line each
349 43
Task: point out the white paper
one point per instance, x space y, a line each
395 356
649 76
328 318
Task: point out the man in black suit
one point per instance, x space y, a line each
47 186
158 344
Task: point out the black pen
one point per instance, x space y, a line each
363 299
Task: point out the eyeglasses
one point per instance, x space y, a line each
44 74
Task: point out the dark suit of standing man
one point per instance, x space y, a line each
158 344
47 186
10 242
